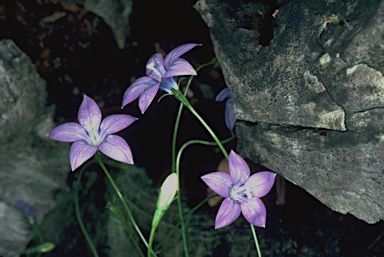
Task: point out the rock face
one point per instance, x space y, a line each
31 167
115 13
307 84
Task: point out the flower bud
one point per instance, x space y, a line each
167 192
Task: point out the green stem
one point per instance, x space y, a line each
209 130
176 128
183 220
78 215
213 61
153 229
178 195
179 96
37 230
184 232
177 122
182 148
255 239
97 155
202 142
125 226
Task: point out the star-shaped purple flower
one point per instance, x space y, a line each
92 135
230 118
241 191
160 73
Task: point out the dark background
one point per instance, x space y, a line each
77 55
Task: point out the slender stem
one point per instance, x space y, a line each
183 220
255 239
125 226
178 195
153 229
182 148
37 231
209 130
184 232
121 198
78 215
202 142
213 61
176 128
177 122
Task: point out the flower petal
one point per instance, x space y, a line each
230 118
80 152
176 53
259 184
137 88
179 67
115 123
89 114
238 168
69 132
220 182
147 96
155 67
223 94
254 211
228 212
115 147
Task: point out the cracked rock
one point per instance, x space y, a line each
32 167
115 13
306 79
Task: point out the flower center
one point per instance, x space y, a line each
238 192
95 138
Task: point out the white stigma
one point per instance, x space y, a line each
151 66
236 193
95 137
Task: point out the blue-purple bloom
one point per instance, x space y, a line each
230 118
160 73
92 134
241 191
28 210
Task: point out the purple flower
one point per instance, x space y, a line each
28 210
90 136
241 192
160 73
230 118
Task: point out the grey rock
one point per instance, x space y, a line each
115 13
31 165
309 98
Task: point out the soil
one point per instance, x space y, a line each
75 53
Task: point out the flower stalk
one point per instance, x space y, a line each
120 196
255 239
78 216
167 193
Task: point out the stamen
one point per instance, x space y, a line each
236 193
94 137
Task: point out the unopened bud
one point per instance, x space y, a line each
167 192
